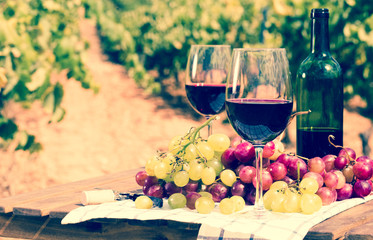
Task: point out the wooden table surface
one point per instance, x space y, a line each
38 214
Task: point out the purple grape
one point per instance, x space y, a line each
228 159
156 191
345 192
362 170
150 181
329 162
238 189
362 188
192 186
365 159
171 188
347 151
218 191
341 162
140 178
284 159
191 199
293 168
244 152
277 170
250 196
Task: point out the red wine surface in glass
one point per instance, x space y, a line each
259 121
315 143
207 99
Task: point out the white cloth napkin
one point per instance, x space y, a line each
215 225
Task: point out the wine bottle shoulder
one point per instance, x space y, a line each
318 66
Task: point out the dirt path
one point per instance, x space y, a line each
117 129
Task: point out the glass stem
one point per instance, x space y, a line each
259 205
209 128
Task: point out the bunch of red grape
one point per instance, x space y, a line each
198 173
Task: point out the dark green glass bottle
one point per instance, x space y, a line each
319 88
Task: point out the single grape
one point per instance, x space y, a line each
347 151
176 144
279 149
345 192
161 170
208 175
195 171
191 199
292 202
205 194
181 178
341 179
247 173
218 191
277 204
226 206
277 170
294 163
150 164
216 165
331 180
177 200
156 191
244 152
238 189
362 170
205 150
267 180
239 203
284 159
228 177
219 142
329 162
269 149
204 205
268 197
310 203
341 162
279 185
326 194
365 159
316 176
316 165
362 188
143 202
308 185
348 172
228 159
140 177
191 186
171 188
191 153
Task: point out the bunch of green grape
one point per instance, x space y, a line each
302 197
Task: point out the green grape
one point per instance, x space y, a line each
277 204
143 202
204 205
195 171
279 185
226 206
228 177
169 159
150 164
239 203
208 176
205 194
161 170
219 142
292 202
268 198
181 178
177 200
310 203
206 151
191 153
216 165
308 185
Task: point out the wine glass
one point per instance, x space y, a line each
206 76
259 101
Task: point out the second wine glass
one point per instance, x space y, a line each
206 76
259 101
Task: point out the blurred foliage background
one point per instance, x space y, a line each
154 36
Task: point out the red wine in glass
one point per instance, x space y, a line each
259 120
207 99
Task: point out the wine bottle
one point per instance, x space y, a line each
319 88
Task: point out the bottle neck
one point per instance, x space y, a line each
320 35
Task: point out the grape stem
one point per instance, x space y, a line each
338 146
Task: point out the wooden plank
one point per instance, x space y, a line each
43 206
338 225
363 232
